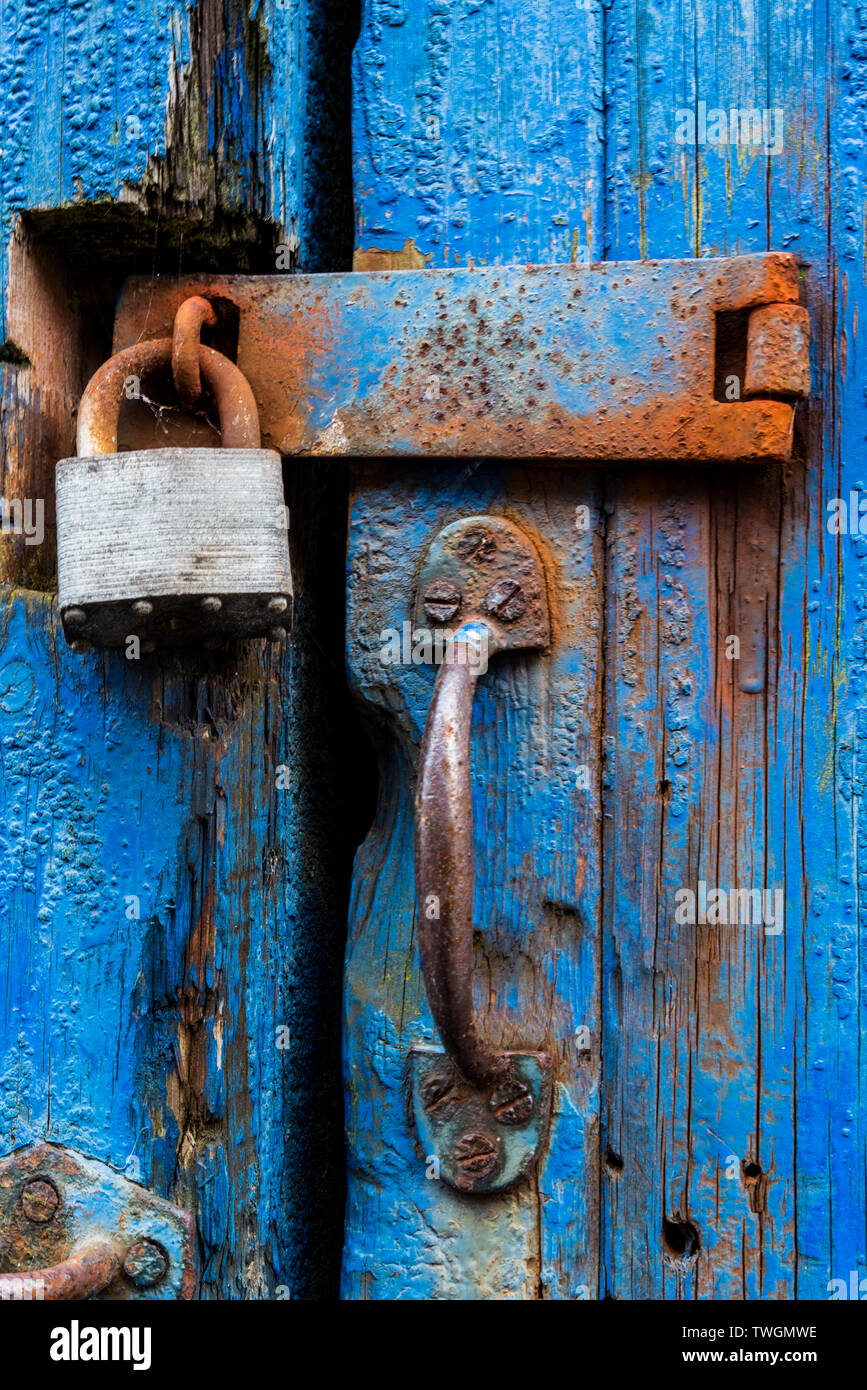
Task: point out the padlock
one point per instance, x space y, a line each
171 546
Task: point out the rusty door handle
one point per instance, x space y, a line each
444 868
89 1269
481 1109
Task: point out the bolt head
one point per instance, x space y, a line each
74 617
145 1264
475 1157
440 1096
506 600
477 545
40 1200
212 604
80 647
442 599
148 647
511 1103
278 604
142 608
278 634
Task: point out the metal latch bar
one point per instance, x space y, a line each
603 362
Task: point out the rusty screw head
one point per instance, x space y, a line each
511 1103
506 600
145 1263
74 617
475 1157
40 1200
477 545
442 600
440 1096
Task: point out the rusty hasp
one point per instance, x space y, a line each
609 361
72 1228
483 1110
171 545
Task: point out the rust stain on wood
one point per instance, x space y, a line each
376 258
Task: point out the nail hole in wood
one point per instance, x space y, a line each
755 1185
681 1240
613 1161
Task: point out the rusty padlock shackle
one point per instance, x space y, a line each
236 404
186 341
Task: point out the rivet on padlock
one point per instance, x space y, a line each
171 545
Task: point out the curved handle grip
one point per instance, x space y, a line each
89 1269
444 860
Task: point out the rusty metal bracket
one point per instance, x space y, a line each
73 1228
480 1110
484 1140
617 360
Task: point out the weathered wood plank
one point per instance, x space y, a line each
802 80
765 816
477 131
537 897
136 1028
172 906
686 552
825 601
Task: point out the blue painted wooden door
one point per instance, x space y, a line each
707 1138
170 857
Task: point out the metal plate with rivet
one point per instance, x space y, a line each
484 568
484 1139
73 1228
